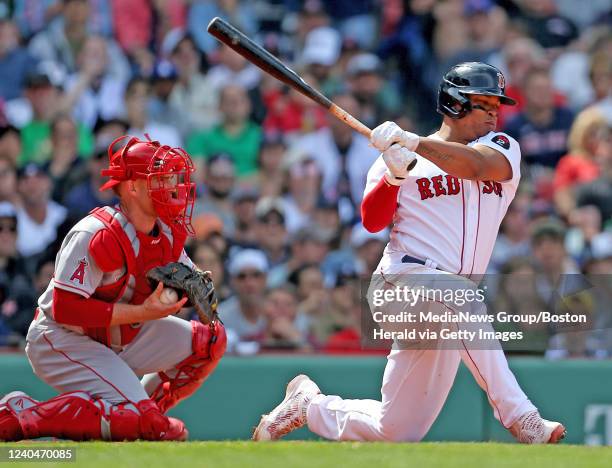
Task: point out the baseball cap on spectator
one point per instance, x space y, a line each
37 79
360 236
164 70
548 229
171 40
206 224
32 169
7 210
312 234
362 64
473 7
273 139
601 246
248 259
322 47
267 205
242 195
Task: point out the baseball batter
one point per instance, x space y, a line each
446 213
101 335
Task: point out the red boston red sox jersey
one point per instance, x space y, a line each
450 221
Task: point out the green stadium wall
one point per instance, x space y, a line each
229 404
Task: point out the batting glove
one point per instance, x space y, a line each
388 133
399 161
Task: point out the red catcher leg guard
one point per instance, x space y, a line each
145 421
10 429
208 343
78 416
74 416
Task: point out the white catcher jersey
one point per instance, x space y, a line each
450 221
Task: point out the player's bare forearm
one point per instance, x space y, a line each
465 162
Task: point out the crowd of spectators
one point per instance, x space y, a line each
277 217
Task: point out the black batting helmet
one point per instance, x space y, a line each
469 78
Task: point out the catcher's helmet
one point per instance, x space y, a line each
469 78
167 172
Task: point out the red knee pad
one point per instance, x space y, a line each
208 343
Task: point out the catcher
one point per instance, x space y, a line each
104 334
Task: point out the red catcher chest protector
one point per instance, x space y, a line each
123 289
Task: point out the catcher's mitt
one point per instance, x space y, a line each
196 284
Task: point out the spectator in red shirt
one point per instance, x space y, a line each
579 165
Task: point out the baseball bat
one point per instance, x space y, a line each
263 59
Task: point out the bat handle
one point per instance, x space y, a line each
351 121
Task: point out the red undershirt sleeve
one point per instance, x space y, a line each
378 206
73 309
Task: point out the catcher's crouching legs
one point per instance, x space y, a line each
208 344
79 416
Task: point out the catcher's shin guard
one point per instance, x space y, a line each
78 416
208 344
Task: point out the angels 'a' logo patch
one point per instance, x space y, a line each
79 272
502 140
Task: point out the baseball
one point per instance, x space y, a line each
168 296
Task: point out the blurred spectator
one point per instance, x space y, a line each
321 52
516 59
285 327
291 113
13 279
599 192
137 95
355 20
84 197
233 69
378 100
579 165
368 248
163 82
39 217
513 238
270 231
546 25
239 13
542 127
219 179
8 181
343 155
59 44
46 102
10 143
193 95
339 327
303 183
270 177
207 258
32 16
236 135
15 61
94 92
600 74
312 295
308 246
243 313
65 167
485 24
245 234
552 262
585 225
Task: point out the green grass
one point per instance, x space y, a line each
325 454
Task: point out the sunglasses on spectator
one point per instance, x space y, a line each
249 274
11 227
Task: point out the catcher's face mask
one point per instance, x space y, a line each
167 172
